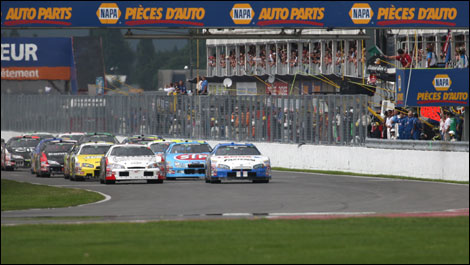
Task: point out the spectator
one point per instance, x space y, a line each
170 89
272 58
204 86
447 126
398 121
431 58
199 86
212 61
404 58
388 123
463 58
182 88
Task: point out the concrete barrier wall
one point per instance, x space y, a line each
408 163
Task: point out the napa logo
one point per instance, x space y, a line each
108 13
442 82
242 14
361 13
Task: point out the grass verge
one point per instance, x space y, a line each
353 240
363 175
21 196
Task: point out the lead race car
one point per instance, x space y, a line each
237 162
186 159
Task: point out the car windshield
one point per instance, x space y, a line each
190 148
159 147
132 151
58 148
237 151
98 138
25 142
95 149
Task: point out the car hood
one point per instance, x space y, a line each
188 158
90 159
134 161
239 160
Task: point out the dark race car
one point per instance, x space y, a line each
52 158
20 148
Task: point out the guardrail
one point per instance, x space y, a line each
417 145
323 119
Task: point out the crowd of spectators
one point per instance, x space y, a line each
269 56
179 88
401 125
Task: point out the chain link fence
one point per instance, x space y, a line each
323 119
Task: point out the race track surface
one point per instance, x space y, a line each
288 194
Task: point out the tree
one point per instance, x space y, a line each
116 51
146 68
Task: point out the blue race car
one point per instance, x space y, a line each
237 162
187 159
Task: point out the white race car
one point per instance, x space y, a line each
237 162
126 162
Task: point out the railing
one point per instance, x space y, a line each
324 119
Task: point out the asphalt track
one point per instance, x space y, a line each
288 194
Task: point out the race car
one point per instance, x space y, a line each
159 147
141 139
52 158
75 136
36 154
98 137
125 162
187 159
86 159
20 148
41 135
237 162
6 161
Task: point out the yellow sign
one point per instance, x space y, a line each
442 82
361 13
108 13
242 14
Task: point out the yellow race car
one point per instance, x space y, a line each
85 163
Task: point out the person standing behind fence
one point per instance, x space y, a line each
431 58
404 58
182 88
463 58
204 85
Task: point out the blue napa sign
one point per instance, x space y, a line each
432 87
231 14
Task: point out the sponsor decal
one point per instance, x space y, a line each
442 84
191 157
108 13
361 13
305 15
242 14
40 15
93 157
403 15
191 16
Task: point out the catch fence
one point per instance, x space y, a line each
319 119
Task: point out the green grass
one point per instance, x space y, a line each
20 196
363 175
353 240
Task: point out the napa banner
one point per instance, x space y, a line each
36 58
432 87
234 14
